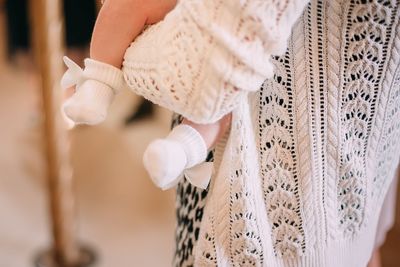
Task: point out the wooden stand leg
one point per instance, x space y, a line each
48 37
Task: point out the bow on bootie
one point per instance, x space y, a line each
199 175
73 76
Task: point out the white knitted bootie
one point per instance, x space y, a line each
96 87
89 104
166 159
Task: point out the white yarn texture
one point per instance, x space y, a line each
310 156
207 55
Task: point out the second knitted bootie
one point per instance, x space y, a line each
166 159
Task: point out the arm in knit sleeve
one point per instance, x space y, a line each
208 54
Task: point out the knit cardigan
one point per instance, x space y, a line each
301 178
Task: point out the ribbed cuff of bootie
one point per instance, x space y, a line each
105 73
192 142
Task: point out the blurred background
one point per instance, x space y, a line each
119 213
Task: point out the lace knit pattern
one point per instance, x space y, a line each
235 224
387 120
368 31
278 160
302 176
181 76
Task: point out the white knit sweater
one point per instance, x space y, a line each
309 158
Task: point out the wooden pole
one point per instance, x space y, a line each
47 40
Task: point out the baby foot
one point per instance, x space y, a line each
96 86
90 103
166 159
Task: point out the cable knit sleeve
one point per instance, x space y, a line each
208 54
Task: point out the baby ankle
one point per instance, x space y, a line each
192 143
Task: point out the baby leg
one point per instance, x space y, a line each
114 30
186 146
118 24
